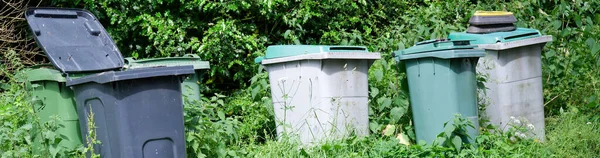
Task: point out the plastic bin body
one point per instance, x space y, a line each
442 83
322 96
190 87
439 89
514 77
51 97
137 113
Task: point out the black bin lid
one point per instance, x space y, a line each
74 40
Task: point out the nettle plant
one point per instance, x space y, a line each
455 133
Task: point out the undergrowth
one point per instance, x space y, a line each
573 136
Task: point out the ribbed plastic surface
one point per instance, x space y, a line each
320 95
73 39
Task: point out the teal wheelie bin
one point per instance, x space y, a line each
442 83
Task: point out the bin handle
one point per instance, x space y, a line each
41 65
431 41
36 101
129 60
258 60
191 55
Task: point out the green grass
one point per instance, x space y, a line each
570 134
573 134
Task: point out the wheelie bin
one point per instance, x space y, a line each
319 92
52 98
136 113
442 83
514 75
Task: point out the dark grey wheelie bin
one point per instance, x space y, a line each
137 113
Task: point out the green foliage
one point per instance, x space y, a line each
455 133
15 124
208 130
19 124
15 114
50 139
574 134
257 118
90 139
215 124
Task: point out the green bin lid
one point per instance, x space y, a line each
440 48
44 72
48 72
279 51
496 37
188 59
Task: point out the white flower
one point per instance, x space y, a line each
589 123
530 126
513 139
517 121
512 118
520 135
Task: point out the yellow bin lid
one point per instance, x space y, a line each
492 17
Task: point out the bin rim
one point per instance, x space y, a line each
439 48
188 59
445 54
113 76
513 44
282 51
496 37
43 74
324 56
436 45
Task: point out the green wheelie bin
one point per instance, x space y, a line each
52 98
191 85
442 83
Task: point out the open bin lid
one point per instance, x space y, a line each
74 40
503 40
283 53
188 59
440 48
